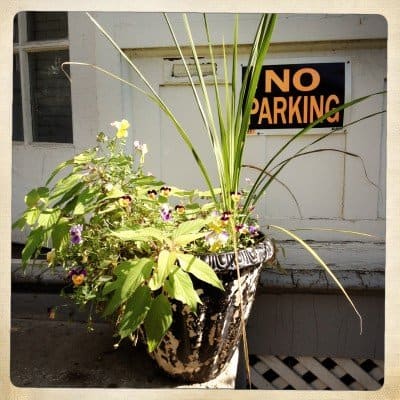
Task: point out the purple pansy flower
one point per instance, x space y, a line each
77 276
253 229
75 271
76 234
165 212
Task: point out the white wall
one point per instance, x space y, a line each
336 196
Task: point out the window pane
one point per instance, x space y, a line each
17 128
15 33
47 25
50 97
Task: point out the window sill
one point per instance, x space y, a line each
44 145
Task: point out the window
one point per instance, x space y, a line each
42 95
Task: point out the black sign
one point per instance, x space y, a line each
294 95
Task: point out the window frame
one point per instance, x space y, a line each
22 48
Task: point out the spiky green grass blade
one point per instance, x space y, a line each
323 264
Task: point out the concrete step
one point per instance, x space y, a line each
61 352
54 353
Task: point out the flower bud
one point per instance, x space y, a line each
50 256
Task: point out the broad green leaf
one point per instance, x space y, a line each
180 287
32 215
115 301
182 193
193 206
138 272
164 266
70 206
33 197
189 227
123 268
79 209
115 193
162 199
71 194
84 157
104 278
183 240
19 223
146 181
108 209
199 269
60 233
111 286
136 309
122 271
208 207
58 169
33 243
88 195
139 234
66 184
158 321
207 193
48 218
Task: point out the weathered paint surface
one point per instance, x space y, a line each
198 347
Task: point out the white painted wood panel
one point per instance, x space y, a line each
330 193
317 325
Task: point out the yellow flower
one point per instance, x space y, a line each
152 194
125 200
78 279
180 209
165 191
236 196
50 256
122 128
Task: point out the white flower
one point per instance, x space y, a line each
108 186
144 149
223 237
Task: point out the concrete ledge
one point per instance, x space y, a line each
358 266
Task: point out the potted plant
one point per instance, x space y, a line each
177 267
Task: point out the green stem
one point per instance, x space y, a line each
242 315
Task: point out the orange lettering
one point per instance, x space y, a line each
305 109
271 76
265 111
255 106
280 109
294 109
315 79
316 110
329 100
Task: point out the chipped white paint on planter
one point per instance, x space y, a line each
198 347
